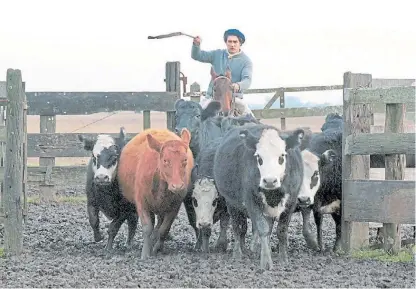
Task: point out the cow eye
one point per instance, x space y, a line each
215 202
259 160
194 202
281 159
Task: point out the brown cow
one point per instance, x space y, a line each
154 174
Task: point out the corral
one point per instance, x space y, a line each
57 241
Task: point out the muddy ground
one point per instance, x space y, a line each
59 252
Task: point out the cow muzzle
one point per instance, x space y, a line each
304 201
102 180
177 187
270 183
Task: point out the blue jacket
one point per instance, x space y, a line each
240 65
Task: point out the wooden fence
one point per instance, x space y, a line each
390 201
47 145
283 113
14 161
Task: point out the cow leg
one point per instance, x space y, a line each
236 218
282 232
113 230
132 220
243 233
318 221
206 234
222 242
254 237
190 211
262 225
337 220
164 229
147 222
307 230
94 220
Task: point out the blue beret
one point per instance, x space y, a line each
234 32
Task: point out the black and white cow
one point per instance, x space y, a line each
203 204
259 176
329 195
310 183
102 187
306 198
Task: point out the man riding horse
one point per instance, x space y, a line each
233 59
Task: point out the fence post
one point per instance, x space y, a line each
356 120
24 155
3 138
13 174
47 125
282 105
195 91
146 119
394 170
173 84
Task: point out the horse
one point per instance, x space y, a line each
154 174
222 92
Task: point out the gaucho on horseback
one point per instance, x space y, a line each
235 72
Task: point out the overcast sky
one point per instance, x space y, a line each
99 45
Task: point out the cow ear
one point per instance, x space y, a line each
194 173
154 143
186 136
211 110
178 103
294 139
88 143
249 140
329 155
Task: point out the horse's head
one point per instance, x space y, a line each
221 89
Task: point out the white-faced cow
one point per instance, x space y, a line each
203 204
259 176
102 187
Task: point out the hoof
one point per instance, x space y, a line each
98 237
221 246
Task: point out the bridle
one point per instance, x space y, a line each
233 111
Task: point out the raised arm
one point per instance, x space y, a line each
201 55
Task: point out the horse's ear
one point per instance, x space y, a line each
122 134
213 74
186 136
228 73
154 143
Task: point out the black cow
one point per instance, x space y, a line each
259 176
102 187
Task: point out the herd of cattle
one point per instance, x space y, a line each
224 169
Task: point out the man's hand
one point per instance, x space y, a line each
197 40
235 87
